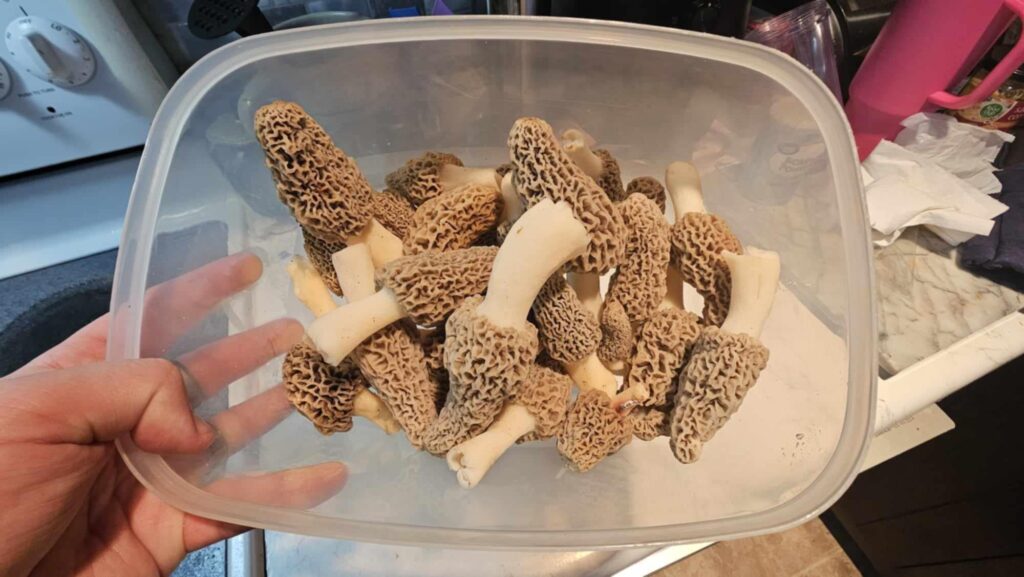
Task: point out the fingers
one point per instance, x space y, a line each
218 364
101 401
174 307
240 424
297 488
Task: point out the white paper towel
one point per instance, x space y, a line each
905 188
965 150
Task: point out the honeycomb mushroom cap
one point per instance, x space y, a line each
393 212
432 342
503 169
568 332
649 187
486 363
393 362
324 189
649 423
722 368
431 285
419 179
698 240
616 333
319 252
545 394
662 346
610 180
543 170
592 431
454 219
324 394
640 281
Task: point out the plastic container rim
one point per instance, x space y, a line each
169 122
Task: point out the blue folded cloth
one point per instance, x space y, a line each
1003 248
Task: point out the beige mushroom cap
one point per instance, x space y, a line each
616 333
592 431
543 170
393 212
454 219
431 285
419 179
486 363
322 393
722 368
545 394
393 362
640 281
649 423
432 342
649 187
610 180
698 240
568 332
503 169
661 350
319 252
324 189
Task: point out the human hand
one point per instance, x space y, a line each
71 506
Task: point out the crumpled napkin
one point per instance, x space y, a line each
905 188
965 150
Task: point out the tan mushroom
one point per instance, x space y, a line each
454 219
426 288
490 345
309 287
432 342
391 360
511 206
319 252
639 282
568 332
592 430
324 189
598 164
649 187
393 211
725 362
330 396
427 176
535 410
616 336
649 423
698 241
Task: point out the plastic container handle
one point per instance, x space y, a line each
1012 61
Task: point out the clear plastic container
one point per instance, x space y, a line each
778 163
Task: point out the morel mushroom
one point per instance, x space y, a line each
616 336
309 287
725 362
593 430
535 410
639 282
649 187
427 176
454 219
598 164
330 396
391 360
393 211
324 189
425 287
698 241
490 346
568 332
319 252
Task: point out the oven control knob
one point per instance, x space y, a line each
5 81
50 51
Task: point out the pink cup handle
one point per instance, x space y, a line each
994 79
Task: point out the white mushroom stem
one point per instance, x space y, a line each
383 244
340 331
354 266
590 373
673 289
682 181
512 205
453 176
366 404
309 288
588 288
755 279
574 142
473 458
539 243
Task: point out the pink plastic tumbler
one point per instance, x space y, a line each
924 49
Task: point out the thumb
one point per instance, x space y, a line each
99 402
